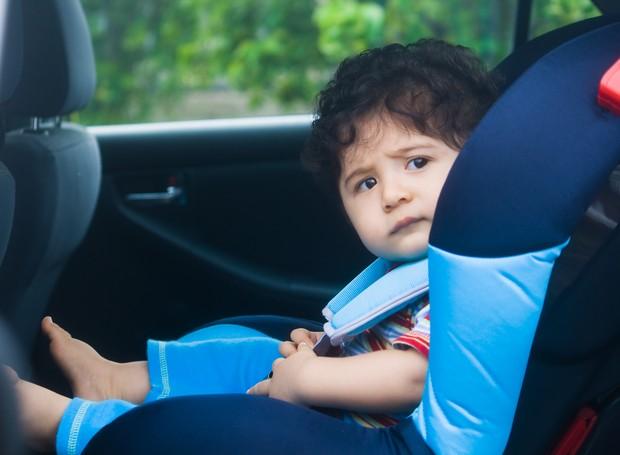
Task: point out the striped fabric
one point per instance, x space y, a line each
406 329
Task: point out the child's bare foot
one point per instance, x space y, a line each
92 376
40 411
10 374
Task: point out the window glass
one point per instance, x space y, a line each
161 60
548 15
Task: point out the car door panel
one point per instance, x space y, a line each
250 234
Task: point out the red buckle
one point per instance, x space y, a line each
609 89
578 431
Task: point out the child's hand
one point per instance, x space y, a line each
285 383
288 348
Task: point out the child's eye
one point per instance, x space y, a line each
366 184
417 163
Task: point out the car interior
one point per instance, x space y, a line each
128 232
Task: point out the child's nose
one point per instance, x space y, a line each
394 196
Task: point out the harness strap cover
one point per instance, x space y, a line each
373 296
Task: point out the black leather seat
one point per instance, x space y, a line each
56 165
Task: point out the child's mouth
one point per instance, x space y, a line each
407 221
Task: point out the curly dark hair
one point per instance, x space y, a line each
431 87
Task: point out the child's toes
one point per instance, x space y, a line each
53 330
10 373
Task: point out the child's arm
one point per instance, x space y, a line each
378 382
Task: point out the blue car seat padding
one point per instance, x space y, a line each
475 370
508 207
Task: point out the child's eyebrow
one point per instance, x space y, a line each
358 171
409 148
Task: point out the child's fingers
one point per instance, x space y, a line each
304 347
262 388
275 363
287 348
300 335
305 336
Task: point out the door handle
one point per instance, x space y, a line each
172 194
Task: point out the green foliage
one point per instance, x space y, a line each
551 14
347 27
151 53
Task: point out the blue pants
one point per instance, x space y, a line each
221 359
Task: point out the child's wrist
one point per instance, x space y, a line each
308 380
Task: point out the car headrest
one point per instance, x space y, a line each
57 74
11 48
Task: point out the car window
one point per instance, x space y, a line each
160 60
548 15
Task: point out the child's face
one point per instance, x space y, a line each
390 183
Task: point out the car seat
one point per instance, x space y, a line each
10 443
10 57
56 165
545 150
567 372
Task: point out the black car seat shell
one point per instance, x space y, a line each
56 166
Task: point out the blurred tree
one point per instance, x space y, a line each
551 14
151 53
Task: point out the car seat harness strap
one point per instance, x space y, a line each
376 293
